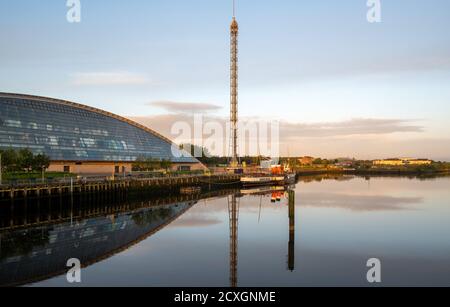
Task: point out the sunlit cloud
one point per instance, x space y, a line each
358 126
367 126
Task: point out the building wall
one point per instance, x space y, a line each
400 162
388 162
91 168
192 166
420 162
109 168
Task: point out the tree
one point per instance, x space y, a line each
166 164
9 160
318 161
196 151
40 162
25 159
140 164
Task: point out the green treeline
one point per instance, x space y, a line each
23 160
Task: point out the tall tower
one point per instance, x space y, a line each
234 30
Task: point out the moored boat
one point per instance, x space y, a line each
277 175
257 179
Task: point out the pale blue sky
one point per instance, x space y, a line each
306 62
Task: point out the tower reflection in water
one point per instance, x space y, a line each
233 213
38 237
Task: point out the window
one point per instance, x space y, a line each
66 169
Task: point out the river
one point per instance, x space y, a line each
237 238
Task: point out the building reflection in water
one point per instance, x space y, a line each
38 237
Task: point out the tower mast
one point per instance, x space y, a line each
234 30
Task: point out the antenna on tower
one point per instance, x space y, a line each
234 8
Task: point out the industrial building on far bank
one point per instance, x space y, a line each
402 162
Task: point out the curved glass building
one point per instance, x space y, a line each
82 139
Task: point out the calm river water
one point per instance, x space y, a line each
232 238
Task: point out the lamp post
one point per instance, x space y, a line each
1 168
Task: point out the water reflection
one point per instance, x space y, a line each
320 232
233 214
38 237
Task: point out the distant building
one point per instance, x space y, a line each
306 160
345 164
402 162
81 139
420 162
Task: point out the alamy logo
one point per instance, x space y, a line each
374 274
74 12
374 13
258 137
74 273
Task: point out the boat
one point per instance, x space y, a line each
277 175
258 179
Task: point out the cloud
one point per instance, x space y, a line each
359 203
360 138
288 131
194 222
185 107
109 78
358 126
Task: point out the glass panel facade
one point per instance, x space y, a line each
70 133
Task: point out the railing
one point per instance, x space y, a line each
96 179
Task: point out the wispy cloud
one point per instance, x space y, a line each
288 130
357 126
359 203
185 107
369 138
196 221
109 78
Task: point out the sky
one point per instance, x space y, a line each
339 85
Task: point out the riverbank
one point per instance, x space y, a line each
375 172
162 185
168 185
